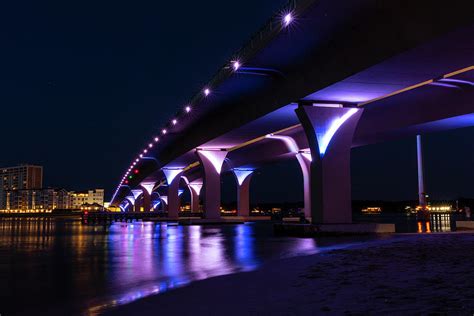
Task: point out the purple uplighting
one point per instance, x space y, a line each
207 92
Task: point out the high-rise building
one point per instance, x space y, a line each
21 177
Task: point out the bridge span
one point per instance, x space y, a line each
320 78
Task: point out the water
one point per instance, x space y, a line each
408 223
52 266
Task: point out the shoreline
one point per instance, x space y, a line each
40 215
427 273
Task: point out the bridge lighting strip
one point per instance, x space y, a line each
424 83
460 71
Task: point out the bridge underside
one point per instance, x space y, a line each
426 109
424 89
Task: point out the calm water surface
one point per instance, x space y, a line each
52 266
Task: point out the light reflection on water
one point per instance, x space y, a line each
66 267
405 223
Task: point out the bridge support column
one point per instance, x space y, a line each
147 189
243 178
304 160
212 161
421 178
164 203
173 177
137 204
131 203
195 189
330 130
146 201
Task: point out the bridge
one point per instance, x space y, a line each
321 77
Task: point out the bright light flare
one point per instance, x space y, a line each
287 19
236 65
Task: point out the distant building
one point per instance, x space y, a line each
21 190
92 207
372 210
90 197
34 200
23 177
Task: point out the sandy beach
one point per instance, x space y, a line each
405 274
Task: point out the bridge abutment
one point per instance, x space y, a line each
330 130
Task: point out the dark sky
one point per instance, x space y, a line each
84 84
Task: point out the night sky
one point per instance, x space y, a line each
84 84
